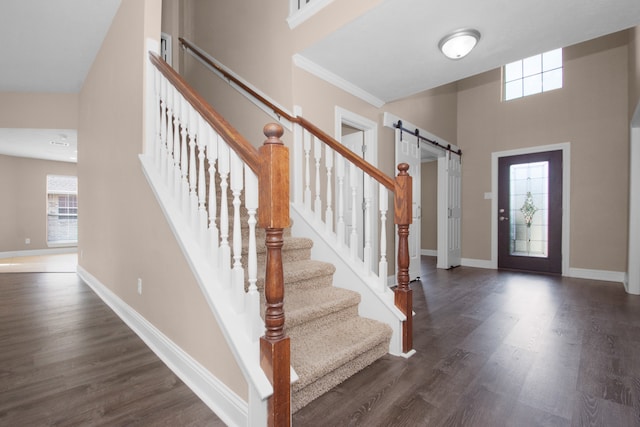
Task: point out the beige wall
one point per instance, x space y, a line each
123 233
259 48
39 110
23 191
429 211
591 113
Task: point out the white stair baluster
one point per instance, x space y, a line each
212 157
237 181
255 324
340 225
328 216
173 145
317 155
184 165
163 128
366 256
193 173
307 170
382 266
225 250
353 235
172 122
201 141
157 141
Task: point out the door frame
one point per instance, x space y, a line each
389 120
369 128
565 147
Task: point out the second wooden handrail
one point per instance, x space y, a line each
373 171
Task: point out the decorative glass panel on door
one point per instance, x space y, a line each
529 209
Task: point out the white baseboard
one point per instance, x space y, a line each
604 275
477 263
216 395
428 252
39 252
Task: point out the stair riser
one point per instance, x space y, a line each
302 396
304 284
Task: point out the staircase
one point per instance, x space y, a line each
277 307
329 341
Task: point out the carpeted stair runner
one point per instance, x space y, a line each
329 340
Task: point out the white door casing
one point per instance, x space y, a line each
408 151
363 142
354 195
449 175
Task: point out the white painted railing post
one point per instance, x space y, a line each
317 155
307 170
366 255
340 226
328 216
383 266
353 235
255 324
237 181
225 250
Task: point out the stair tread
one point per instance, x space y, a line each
303 269
318 354
303 306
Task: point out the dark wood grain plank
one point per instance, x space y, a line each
501 348
68 360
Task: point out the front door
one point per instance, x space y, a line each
530 212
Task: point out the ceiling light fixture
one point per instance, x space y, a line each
459 43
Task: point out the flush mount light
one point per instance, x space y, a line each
459 43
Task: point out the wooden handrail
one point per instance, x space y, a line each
200 54
271 165
374 172
399 186
247 152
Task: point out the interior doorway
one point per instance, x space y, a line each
360 199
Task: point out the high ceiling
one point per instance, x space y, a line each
391 52
48 46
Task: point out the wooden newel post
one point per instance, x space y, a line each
403 218
273 216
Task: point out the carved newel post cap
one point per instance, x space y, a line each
273 132
403 168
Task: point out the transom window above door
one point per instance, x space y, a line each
535 74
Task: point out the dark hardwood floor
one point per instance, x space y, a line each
493 349
501 348
67 360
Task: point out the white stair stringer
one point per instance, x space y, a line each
233 325
377 305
